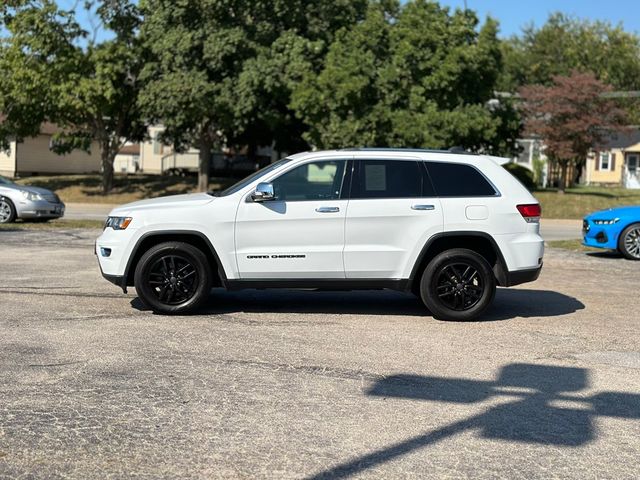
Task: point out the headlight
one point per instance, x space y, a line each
606 222
117 223
31 196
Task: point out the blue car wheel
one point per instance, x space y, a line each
629 243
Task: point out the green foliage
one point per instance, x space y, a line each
523 174
564 44
90 92
538 170
414 75
221 72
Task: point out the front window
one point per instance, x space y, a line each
605 161
5 181
321 180
254 176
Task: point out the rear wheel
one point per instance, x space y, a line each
173 278
629 242
458 284
7 210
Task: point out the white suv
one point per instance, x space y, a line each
446 226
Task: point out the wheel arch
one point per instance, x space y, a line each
479 242
192 237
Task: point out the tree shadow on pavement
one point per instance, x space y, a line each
509 303
531 412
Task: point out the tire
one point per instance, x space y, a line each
629 242
7 210
173 278
458 284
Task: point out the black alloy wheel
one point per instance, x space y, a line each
457 284
173 278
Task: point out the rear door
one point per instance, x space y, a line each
392 212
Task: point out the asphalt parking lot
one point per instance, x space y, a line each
303 384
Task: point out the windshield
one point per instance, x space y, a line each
5 181
254 176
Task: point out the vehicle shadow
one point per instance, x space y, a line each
606 254
509 303
530 414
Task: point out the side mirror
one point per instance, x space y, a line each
263 193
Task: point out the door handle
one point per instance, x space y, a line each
327 209
423 207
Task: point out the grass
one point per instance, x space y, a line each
580 201
574 245
126 188
58 223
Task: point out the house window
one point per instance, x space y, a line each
605 161
157 145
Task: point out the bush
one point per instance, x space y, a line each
523 174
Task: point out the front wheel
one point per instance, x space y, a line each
173 278
458 284
629 243
7 210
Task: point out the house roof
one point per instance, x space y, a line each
47 128
130 149
623 139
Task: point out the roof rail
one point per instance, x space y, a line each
454 150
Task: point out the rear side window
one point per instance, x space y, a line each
458 180
389 179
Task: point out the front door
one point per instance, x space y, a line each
632 175
300 234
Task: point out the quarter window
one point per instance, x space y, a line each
458 180
390 179
320 180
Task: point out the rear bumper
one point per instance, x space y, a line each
522 276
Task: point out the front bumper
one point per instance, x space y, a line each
600 236
40 209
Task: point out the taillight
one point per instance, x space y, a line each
531 212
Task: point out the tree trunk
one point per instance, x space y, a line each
563 177
204 158
107 157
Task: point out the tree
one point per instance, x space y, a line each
221 72
37 37
564 44
571 117
414 75
90 91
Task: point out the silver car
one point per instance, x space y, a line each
20 201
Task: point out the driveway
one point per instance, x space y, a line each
314 384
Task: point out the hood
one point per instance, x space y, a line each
172 201
631 210
27 188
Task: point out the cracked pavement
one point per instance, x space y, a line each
294 384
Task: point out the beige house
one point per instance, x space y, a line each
33 156
617 163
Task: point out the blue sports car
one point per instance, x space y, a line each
615 229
